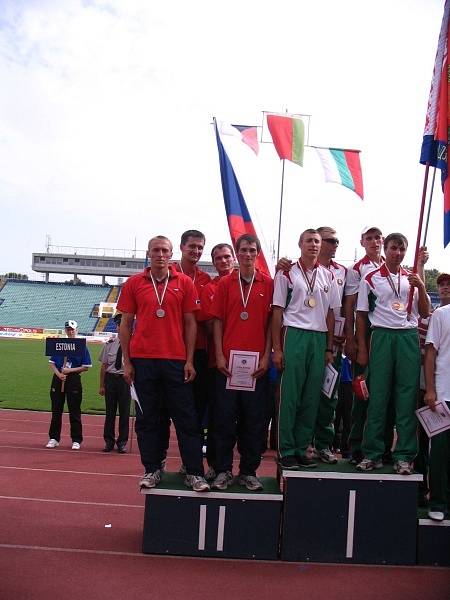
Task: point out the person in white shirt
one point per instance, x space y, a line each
302 338
394 362
437 382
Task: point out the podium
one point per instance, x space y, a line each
334 514
433 541
234 523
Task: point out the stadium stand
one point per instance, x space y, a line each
104 322
49 305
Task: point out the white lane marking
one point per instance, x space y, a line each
220 528
202 527
23 498
72 472
350 523
76 550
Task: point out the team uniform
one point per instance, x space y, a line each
355 274
394 362
305 330
200 280
73 393
324 431
439 465
158 353
117 395
240 415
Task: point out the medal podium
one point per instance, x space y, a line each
234 523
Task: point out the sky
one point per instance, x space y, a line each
106 109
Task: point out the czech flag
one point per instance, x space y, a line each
435 138
239 220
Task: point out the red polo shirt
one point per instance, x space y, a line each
204 314
153 336
227 306
201 278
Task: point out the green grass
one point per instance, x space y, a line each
25 377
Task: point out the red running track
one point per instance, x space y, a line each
71 527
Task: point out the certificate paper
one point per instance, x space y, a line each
242 365
329 380
339 323
434 421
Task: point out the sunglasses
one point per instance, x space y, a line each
333 241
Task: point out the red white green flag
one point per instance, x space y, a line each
288 135
343 167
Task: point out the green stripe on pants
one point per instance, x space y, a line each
394 366
300 388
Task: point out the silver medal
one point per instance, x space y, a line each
160 313
244 315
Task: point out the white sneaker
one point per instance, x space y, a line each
436 515
52 443
76 446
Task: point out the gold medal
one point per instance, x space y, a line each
398 306
310 302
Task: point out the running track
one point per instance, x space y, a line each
71 525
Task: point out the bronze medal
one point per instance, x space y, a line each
325 288
310 302
340 282
398 306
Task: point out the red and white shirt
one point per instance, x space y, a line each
357 272
153 336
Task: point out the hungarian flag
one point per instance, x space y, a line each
239 220
288 135
435 137
342 166
246 133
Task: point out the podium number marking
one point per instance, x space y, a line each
220 529
202 527
350 523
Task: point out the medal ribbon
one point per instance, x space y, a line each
195 273
160 300
245 302
309 283
392 285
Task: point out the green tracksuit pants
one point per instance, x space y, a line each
394 366
324 430
300 389
439 471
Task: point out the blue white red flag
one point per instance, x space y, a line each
435 139
239 220
246 133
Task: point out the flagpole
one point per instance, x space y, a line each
281 210
419 235
429 208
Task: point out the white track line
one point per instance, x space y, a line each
74 550
72 472
22 499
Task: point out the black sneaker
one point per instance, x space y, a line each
356 458
288 463
306 462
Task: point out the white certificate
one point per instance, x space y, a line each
339 323
242 365
434 421
329 380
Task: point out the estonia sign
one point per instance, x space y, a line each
65 346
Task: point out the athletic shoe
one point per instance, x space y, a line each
306 462
122 448
436 515
52 443
108 448
403 467
222 481
356 457
369 465
76 446
251 482
327 456
288 462
197 483
210 474
150 480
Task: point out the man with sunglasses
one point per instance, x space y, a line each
324 430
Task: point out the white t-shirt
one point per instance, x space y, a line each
340 274
377 297
439 335
291 291
357 272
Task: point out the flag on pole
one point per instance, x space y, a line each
246 133
435 136
239 220
288 135
342 166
